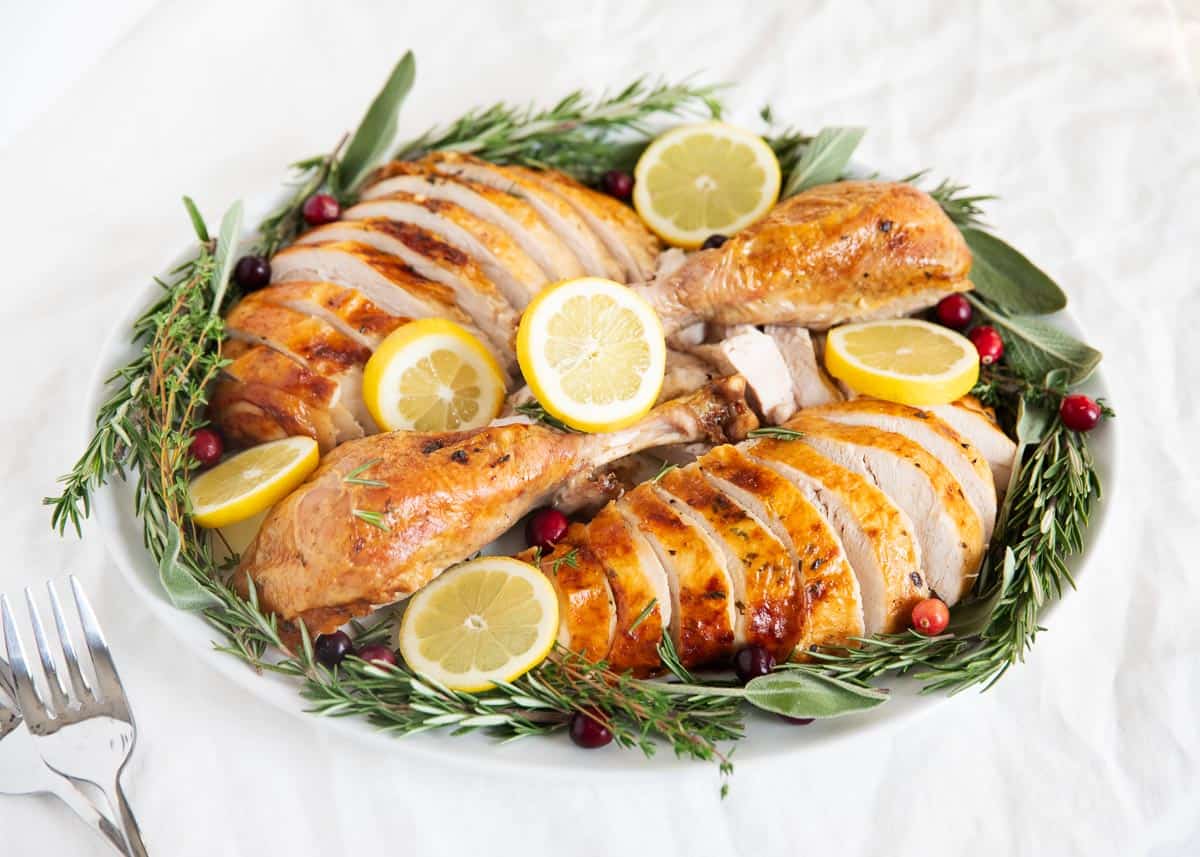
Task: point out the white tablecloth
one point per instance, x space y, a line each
1082 115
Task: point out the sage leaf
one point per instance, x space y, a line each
798 693
1032 423
1034 348
1008 279
973 617
375 133
824 159
226 255
181 587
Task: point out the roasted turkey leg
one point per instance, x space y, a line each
342 544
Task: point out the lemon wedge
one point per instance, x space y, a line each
251 482
704 179
905 360
592 352
432 375
488 620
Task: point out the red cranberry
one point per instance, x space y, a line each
752 662
379 654
714 241
988 343
206 447
331 649
320 208
954 311
252 272
618 183
545 528
1079 413
930 617
588 730
799 721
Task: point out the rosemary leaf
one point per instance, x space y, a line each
776 432
375 519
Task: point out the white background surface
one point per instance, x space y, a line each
1082 115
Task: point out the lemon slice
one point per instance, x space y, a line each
592 351
908 361
700 180
432 375
252 481
492 619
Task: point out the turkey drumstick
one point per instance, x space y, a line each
384 515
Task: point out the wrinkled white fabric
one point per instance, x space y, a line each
1082 116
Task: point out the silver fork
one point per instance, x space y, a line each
22 771
87 739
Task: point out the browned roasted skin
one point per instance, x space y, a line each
830 587
368 322
587 611
325 350
771 608
702 626
444 497
263 395
639 615
840 252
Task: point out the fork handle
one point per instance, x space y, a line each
84 808
129 825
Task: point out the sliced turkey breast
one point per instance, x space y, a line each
703 613
617 225
503 261
431 257
344 309
831 591
263 395
587 611
959 455
876 534
511 213
639 590
558 214
810 385
755 356
311 342
768 592
384 280
947 526
978 425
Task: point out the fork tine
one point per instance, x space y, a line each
107 680
59 703
27 696
82 691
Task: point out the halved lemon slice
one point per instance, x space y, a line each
700 180
488 620
252 481
905 360
592 351
432 375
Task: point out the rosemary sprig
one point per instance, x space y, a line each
777 432
354 477
375 519
570 558
1043 527
580 135
962 207
534 410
